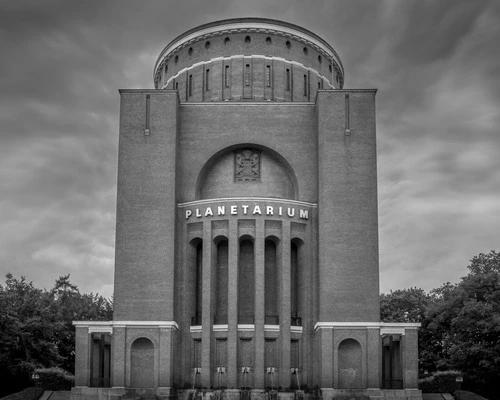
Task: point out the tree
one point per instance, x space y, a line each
36 327
466 319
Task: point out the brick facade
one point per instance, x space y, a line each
247 227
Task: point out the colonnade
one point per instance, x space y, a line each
245 279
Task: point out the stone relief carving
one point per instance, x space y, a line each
247 165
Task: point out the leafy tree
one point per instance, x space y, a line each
465 319
36 326
406 305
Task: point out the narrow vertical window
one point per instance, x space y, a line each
207 80
287 77
226 76
190 85
247 75
268 75
305 85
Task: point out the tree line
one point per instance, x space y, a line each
460 325
36 327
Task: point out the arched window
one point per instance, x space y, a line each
271 283
246 282
221 281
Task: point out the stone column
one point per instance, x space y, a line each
82 356
232 307
118 354
259 303
165 356
374 348
285 307
410 358
325 349
206 317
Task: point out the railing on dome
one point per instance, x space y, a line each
196 320
296 321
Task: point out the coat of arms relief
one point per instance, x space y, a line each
247 165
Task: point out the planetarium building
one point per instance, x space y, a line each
247 232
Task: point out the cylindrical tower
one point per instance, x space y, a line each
248 59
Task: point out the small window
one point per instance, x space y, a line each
319 85
190 51
226 76
305 51
227 40
176 59
268 40
268 75
176 85
287 77
247 75
288 44
337 78
190 85
330 68
207 45
320 59
247 39
207 79
305 85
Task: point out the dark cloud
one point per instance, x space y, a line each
435 65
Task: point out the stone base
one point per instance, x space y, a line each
370 394
121 393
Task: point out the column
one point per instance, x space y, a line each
285 309
259 303
232 307
165 356
82 356
206 318
374 349
326 351
118 353
410 358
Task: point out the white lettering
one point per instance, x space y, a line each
280 211
304 214
198 213
269 210
245 208
208 212
188 213
234 210
256 210
221 210
291 212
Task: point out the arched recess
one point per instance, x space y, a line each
246 280
142 358
221 279
350 365
194 279
271 271
276 176
296 280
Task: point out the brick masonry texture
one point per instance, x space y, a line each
187 229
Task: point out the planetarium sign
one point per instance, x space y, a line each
255 209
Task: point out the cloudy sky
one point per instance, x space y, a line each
436 65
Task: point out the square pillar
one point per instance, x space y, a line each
118 353
82 356
206 317
232 307
166 356
325 352
285 306
374 348
259 303
410 358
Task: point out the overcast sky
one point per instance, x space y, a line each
436 65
